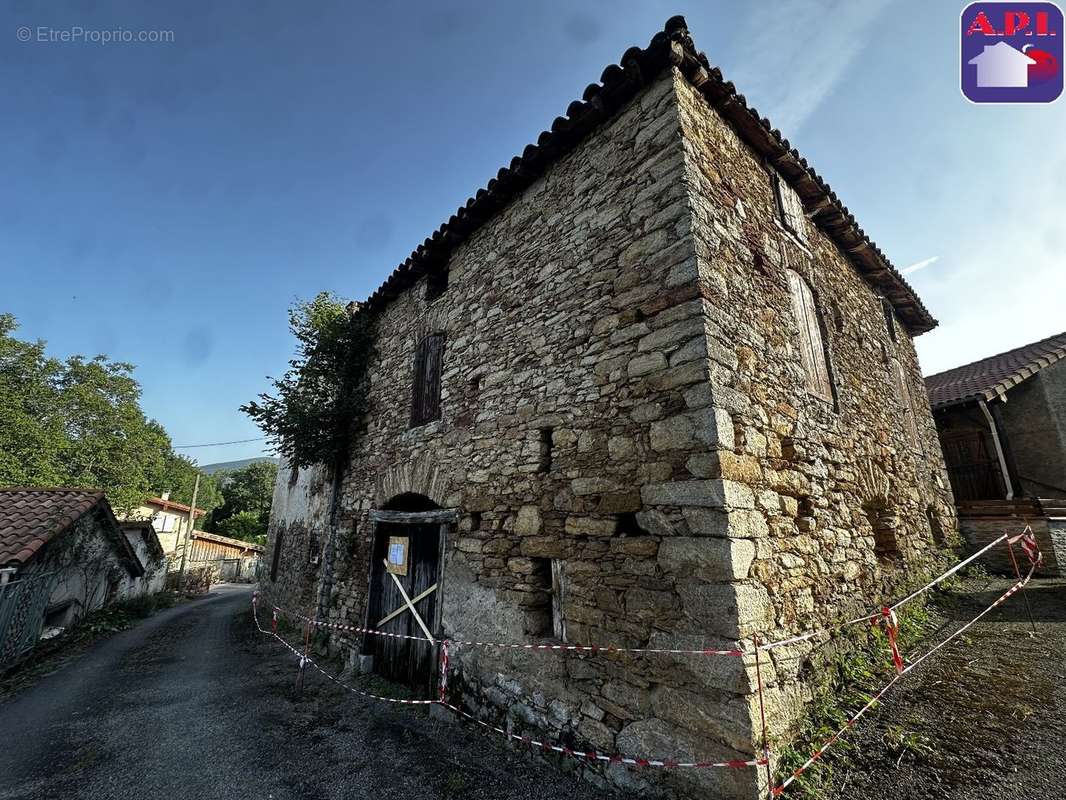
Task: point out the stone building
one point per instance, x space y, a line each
62 555
652 386
1002 427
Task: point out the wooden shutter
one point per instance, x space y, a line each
425 395
790 208
810 344
909 419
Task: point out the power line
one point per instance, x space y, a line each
218 444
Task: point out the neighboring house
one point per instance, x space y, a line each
1002 66
170 520
145 543
232 560
652 386
62 555
1002 426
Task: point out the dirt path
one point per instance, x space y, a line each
984 719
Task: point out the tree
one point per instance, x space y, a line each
79 423
244 525
32 436
249 489
179 476
310 419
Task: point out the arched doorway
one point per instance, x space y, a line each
408 546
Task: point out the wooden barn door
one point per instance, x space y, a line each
413 552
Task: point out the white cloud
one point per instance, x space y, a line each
925 262
787 75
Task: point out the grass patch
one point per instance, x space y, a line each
860 664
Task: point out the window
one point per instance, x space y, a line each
544 461
436 284
425 399
548 577
279 539
314 548
884 524
790 208
810 342
890 317
163 523
907 405
558 598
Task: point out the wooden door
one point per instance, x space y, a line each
406 661
973 471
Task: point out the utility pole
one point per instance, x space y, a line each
188 532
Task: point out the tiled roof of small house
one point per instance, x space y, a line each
226 540
618 84
167 504
989 377
30 518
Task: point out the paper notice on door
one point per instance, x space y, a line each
397 555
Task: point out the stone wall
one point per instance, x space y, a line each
1034 421
299 510
814 478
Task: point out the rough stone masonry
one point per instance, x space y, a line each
679 407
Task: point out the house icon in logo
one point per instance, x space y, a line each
1000 66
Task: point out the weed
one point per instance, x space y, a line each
454 784
907 744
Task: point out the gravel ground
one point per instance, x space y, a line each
194 702
983 719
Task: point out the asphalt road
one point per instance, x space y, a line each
195 703
155 711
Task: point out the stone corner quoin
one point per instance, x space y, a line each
626 430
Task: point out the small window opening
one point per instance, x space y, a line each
314 548
294 476
936 528
548 579
544 461
59 616
475 521
558 598
627 525
436 284
275 560
884 525
890 317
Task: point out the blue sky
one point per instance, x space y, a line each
164 203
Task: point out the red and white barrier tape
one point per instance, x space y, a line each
305 661
443 670
591 755
350 628
576 648
593 648
777 790
892 631
542 745
876 616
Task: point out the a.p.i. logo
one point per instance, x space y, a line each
1011 52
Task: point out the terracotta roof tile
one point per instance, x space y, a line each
30 518
672 46
990 376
